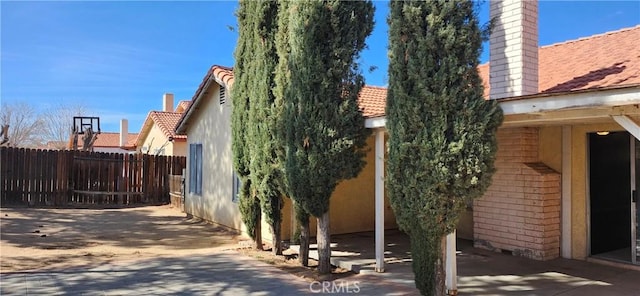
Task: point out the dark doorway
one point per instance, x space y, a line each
610 189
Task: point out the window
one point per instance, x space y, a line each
223 95
195 168
236 188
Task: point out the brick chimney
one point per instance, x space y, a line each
513 48
167 102
124 132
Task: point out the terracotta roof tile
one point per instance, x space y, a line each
372 101
182 106
167 121
604 60
224 75
111 139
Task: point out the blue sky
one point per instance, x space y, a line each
118 58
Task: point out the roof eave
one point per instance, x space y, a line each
144 131
580 99
607 100
181 127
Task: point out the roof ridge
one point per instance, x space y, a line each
375 86
117 133
622 30
172 112
222 67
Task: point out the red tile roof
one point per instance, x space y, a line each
110 139
182 105
372 101
604 60
224 75
167 121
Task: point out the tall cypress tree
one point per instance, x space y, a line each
325 133
442 141
242 92
265 164
281 91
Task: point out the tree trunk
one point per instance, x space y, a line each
258 233
440 278
276 230
324 244
304 243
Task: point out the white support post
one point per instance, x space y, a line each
628 124
379 196
451 275
565 248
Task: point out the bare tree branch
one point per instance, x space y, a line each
58 124
24 124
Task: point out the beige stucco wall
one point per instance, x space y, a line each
352 207
550 147
179 148
285 226
156 138
210 126
353 202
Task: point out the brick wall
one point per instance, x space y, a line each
513 48
520 211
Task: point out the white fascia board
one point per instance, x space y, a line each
612 97
546 103
375 122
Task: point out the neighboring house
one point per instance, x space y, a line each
113 142
157 135
566 166
110 142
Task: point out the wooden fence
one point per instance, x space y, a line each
60 178
176 191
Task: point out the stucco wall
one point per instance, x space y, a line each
154 140
550 147
352 206
285 226
210 126
179 148
353 201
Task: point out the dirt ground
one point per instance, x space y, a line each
37 239
48 238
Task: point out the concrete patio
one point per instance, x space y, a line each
481 272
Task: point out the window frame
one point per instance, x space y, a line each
195 168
